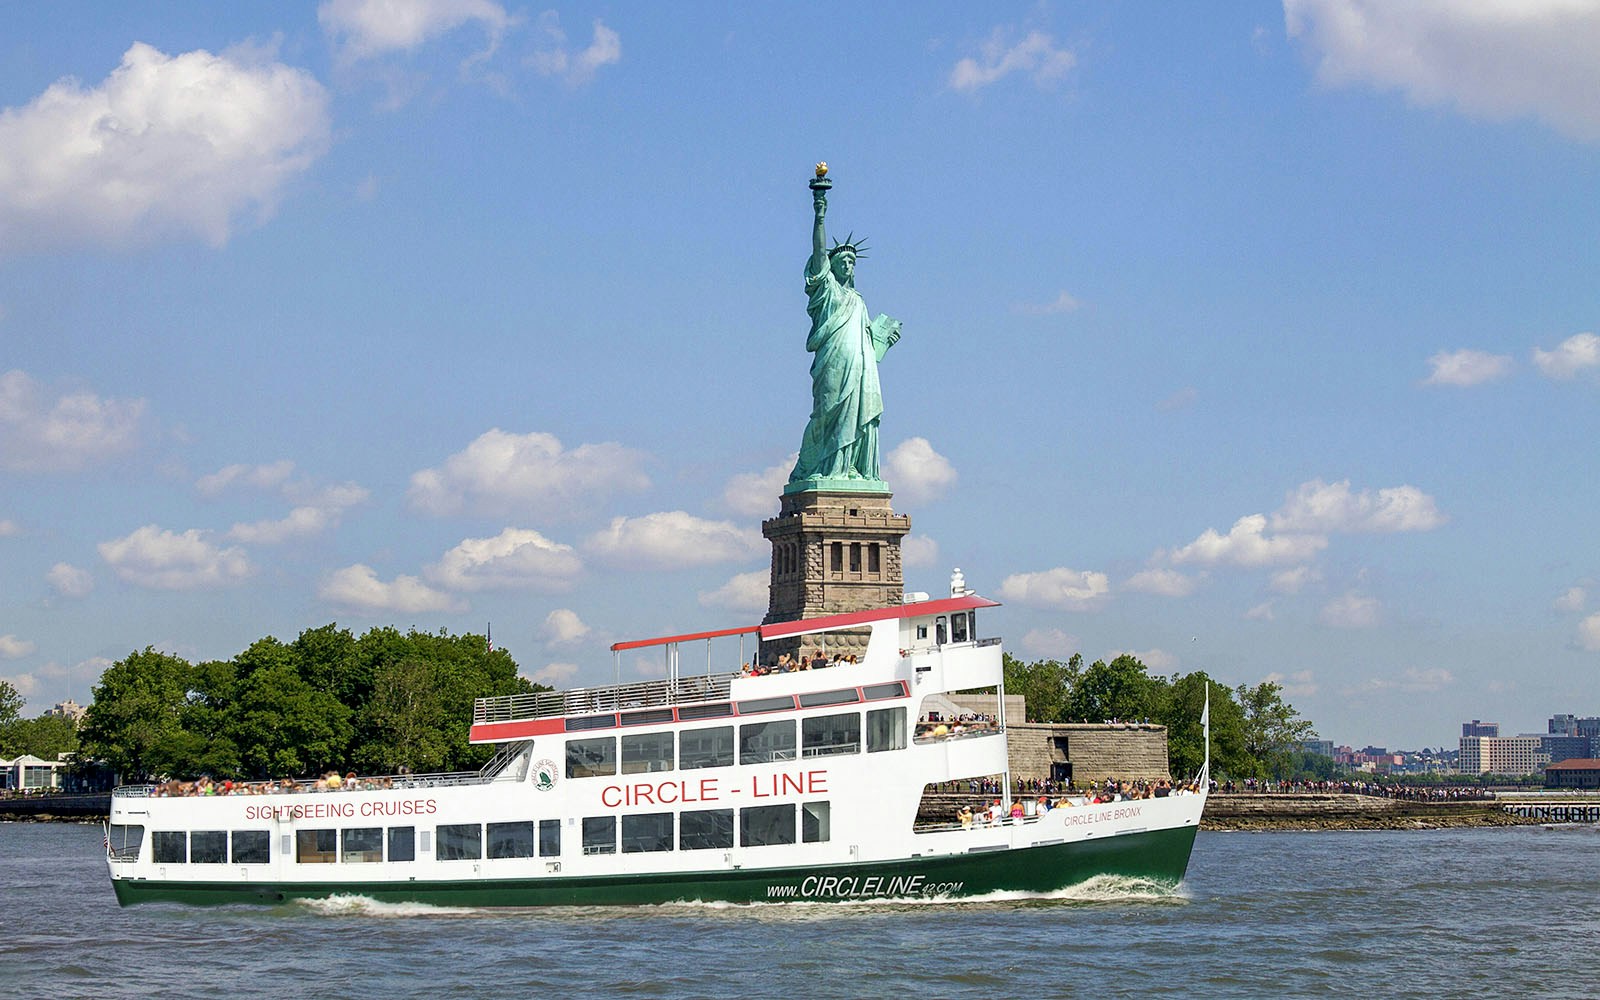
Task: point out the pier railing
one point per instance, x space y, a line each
606 698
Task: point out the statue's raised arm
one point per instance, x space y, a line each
840 447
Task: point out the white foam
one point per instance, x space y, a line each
366 906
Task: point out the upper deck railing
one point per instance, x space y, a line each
605 698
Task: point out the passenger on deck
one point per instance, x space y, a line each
819 661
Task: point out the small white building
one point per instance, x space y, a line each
29 772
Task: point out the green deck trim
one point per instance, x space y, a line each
1161 855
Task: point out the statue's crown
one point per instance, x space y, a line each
856 247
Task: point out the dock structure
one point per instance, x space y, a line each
1562 810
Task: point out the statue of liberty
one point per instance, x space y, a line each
840 448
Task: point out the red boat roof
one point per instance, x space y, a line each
779 630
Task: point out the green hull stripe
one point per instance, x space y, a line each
1161 855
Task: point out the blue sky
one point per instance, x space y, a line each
1250 338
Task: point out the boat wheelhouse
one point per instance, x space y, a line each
727 786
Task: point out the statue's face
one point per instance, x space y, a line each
844 265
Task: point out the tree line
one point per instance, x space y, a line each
385 702
1254 732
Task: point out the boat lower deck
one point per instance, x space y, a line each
1160 855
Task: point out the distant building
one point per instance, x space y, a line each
1476 728
1322 748
1501 755
1564 747
30 772
68 709
1579 772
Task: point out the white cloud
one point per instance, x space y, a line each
12 648
918 474
1062 303
745 592
9 527
1292 581
1573 600
1412 680
555 674
917 551
166 560
1491 60
755 494
1165 582
1322 508
1036 55
673 539
358 586
1158 660
302 522
557 59
39 433
1261 613
1466 367
1573 356
1050 643
366 28
69 580
515 558
1247 544
1071 589
269 476
562 627
1589 633
166 145
526 474
1300 684
1350 610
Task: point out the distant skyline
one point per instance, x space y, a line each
1256 338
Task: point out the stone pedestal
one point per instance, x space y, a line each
834 552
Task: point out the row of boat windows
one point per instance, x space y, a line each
750 706
690 830
757 743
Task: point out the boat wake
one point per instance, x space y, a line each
366 906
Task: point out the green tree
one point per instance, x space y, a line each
1272 728
46 737
1045 685
134 722
406 720
1183 701
206 744
283 725
1120 689
10 714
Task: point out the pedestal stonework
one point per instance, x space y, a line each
834 552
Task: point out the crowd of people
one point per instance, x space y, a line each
787 664
333 781
1414 793
1026 805
934 726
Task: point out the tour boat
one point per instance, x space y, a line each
791 786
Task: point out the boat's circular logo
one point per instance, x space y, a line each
544 775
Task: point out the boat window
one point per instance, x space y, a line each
170 847
706 748
511 840
758 705
591 722
922 631
592 758
826 735
251 847
815 820
646 832
761 826
647 717
705 829
692 713
549 838
361 845
878 692
208 847
316 847
124 841
426 841
886 729
599 835
938 631
402 843
458 842
763 742
820 699
958 628
647 752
